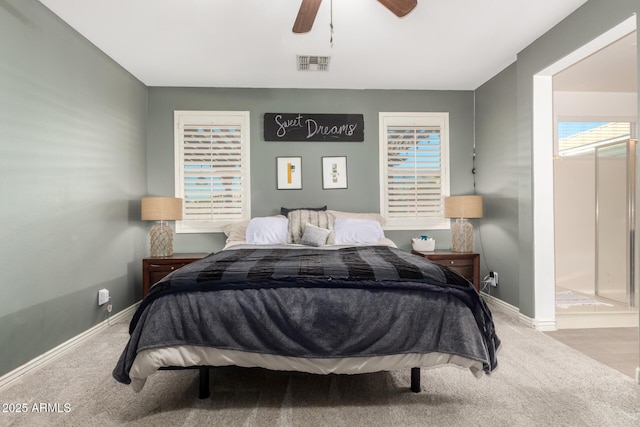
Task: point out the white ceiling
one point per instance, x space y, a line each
441 44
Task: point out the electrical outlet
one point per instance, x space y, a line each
493 278
103 296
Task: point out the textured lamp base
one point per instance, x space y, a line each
462 236
161 240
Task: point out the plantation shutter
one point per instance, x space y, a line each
414 172
414 167
213 171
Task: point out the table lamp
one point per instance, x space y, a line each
462 208
161 210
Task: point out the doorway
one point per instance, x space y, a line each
594 196
595 110
542 159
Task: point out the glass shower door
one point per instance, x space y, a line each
615 178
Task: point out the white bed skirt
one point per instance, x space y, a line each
148 362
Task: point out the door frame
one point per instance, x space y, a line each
542 156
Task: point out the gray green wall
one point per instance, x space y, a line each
72 169
497 181
362 194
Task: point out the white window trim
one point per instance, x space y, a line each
440 119
241 118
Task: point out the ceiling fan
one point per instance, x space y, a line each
309 9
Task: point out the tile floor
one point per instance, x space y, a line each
607 333
617 348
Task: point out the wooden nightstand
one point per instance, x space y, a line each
154 269
464 263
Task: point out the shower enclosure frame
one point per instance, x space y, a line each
631 146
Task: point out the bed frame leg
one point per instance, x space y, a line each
415 380
204 392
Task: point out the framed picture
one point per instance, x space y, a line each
289 170
334 172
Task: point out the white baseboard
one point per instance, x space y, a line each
47 357
542 325
505 307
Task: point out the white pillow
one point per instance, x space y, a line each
267 231
356 215
352 230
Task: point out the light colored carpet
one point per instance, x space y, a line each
540 382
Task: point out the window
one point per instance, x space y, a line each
212 169
414 169
580 138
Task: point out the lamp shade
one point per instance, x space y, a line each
161 208
463 207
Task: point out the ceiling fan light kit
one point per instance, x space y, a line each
309 9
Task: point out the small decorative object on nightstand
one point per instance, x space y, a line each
465 264
423 244
154 269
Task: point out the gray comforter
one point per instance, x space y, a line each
313 303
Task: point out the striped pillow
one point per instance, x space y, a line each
298 219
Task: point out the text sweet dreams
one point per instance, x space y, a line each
313 127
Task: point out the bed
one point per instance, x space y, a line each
317 304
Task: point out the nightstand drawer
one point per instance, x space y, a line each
155 269
452 263
165 268
155 276
466 272
465 264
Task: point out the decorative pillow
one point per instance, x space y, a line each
371 216
353 230
314 236
285 211
236 231
271 230
299 218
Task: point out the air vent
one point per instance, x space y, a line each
313 63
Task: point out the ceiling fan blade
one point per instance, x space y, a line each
400 7
306 16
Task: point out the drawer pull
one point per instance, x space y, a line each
452 262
